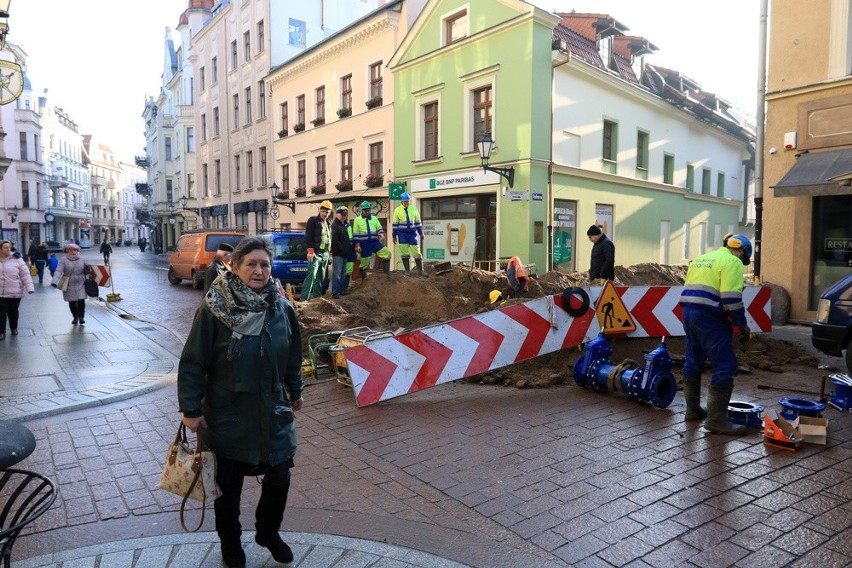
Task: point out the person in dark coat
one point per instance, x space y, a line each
106 250
39 258
341 250
318 241
239 382
603 255
220 265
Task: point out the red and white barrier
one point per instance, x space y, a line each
416 360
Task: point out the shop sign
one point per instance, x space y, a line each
538 196
449 239
453 181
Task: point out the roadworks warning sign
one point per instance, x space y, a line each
613 315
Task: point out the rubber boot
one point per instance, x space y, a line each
692 395
386 266
718 398
270 512
419 262
229 530
406 262
346 280
363 272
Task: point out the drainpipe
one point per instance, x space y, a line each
760 142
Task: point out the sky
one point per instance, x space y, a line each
100 59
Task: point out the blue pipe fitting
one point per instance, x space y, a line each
746 414
841 398
652 383
794 407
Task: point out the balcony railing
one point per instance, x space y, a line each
143 189
143 161
58 181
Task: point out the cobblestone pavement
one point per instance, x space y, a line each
471 474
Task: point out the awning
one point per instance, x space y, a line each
817 173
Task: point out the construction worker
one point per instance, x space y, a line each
712 302
368 236
406 227
341 249
516 274
318 241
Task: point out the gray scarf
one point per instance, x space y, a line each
239 308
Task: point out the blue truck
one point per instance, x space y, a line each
832 330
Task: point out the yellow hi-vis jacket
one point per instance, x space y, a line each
714 281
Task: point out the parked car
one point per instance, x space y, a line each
194 252
832 330
289 258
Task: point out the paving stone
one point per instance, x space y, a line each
721 554
799 540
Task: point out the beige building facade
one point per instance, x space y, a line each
807 214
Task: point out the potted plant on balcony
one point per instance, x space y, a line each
318 189
282 133
281 195
298 127
344 185
300 191
374 102
374 180
344 112
318 121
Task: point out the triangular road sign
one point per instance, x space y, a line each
613 316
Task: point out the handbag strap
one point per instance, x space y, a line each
197 478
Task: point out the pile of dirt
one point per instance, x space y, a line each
395 302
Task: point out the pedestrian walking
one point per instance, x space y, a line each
318 241
15 279
52 263
40 261
106 250
143 242
341 251
74 267
603 255
712 302
239 382
368 236
406 228
220 265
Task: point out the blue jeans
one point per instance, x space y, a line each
708 336
338 275
40 270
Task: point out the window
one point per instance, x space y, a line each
430 130
346 164
300 110
233 54
260 221
261 37
320 164
668 168
610 141
248 105
301 174
190 185
249 170
690 177
376 80
455 27
262 166
241 218
282 110
377 159
217 180
190 139
285 178
216 121
202 80
720 184
261 95
24 149
204 128
25 194
236 104
247 47
320 103
706 176
215 71
642 141
237 172
481 113
168 142
346 92
169 190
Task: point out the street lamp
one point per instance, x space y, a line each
273 189
485 145
14 213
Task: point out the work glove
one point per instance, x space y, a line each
310 254
745 333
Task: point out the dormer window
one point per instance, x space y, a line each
455 27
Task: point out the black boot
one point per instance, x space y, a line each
692 395
346 280
386 266
81 311
270 512
406 262
419 262
229 530
718 398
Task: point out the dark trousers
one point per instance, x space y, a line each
40 264
273 496
9 308
78 308
708 336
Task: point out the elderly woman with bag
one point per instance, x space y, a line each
73 289
239 381
14 280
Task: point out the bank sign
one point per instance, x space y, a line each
454 181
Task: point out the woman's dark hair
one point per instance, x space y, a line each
248 245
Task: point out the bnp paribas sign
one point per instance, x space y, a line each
455 181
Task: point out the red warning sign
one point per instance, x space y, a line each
613 315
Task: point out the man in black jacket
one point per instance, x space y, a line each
341 249
220 265
318 241
603 255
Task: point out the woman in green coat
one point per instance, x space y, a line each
239 381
